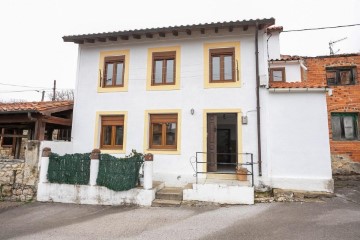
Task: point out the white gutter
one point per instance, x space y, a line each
286 90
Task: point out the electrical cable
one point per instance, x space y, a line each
321 28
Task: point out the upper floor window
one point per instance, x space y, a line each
112 132
163 131
222 65
114 71
340 76
163 68
344 126
277 74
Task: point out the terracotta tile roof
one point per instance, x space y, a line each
90 38
274 28
304 84
286 58
34 106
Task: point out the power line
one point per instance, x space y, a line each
320 28
14 85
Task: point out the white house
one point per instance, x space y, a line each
203 88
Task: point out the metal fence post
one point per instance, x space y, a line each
94 166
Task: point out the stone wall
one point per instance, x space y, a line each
19 178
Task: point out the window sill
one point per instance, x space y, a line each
163 151
163 87
230 84
111 89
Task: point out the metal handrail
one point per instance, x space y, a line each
251 164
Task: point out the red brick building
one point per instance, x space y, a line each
341 73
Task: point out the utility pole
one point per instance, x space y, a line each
54 90
43 95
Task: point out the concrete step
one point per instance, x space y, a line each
166 203
168 193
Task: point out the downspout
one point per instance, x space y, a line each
258 117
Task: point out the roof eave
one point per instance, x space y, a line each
263 23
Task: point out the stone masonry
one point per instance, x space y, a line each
18 178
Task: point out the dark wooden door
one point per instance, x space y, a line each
211 143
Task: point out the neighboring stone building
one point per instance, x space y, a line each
23 121
341 74
22 126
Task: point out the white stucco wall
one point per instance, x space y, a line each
175 169
273 45
59 147
298 152
292 70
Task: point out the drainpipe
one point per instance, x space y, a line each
258 97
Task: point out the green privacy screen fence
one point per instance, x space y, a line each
119 174
69 169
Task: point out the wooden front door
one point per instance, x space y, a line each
211 143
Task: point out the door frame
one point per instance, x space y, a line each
239 131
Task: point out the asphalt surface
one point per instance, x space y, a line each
333 218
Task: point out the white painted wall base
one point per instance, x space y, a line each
303 184
98 195
220 193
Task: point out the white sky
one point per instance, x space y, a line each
32 52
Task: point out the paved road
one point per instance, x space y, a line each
336 218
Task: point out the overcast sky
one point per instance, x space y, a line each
32 52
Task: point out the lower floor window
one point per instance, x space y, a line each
344 126
112 132
163 131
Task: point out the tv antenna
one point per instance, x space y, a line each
331 43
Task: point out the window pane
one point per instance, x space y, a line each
215 68
349 130
345 77
170 133
158 71
109 74
119 137
170 71
107 135
228 67
157 134
336 127
119 73
277 76
331 77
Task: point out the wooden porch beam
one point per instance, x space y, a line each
13 135
57 120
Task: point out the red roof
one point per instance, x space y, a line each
16 107
274 28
